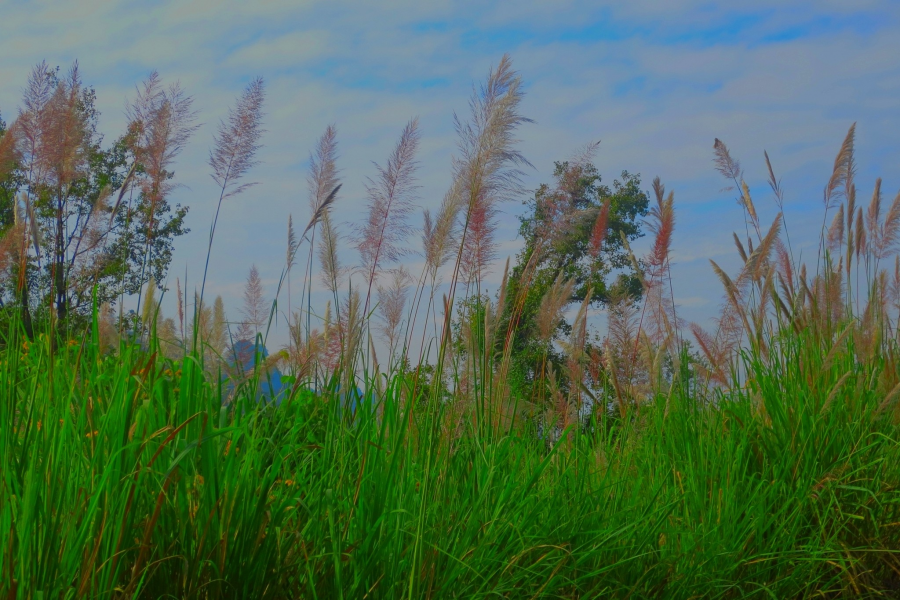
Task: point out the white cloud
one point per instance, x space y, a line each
290 50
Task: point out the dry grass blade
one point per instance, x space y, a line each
740 247
774 183
321 210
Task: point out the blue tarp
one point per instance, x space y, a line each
271 386
247 354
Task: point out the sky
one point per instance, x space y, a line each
654 82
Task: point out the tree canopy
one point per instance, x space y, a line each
573 232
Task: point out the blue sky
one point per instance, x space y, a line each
656 82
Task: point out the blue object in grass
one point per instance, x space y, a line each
271 386
247 354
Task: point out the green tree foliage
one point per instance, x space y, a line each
83 215
573 232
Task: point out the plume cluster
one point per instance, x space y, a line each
161 121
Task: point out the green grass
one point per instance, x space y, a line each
124 477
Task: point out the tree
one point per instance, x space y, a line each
89 216
573 244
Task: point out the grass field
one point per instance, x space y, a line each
125 476
762 462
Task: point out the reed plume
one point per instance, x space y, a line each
622 335
843 171
237 141
150 307
391 302
890 230
895 285
658 304
53 142
836 231
332 273
730 169
323 184
293 245
323 173
234 151
488 168
201 324
169 341
439 232
32 125
351 322
725 164
254 310
322 181
161 121
873 217
390 204
381 240
562 209
218 337
10 242
65 153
